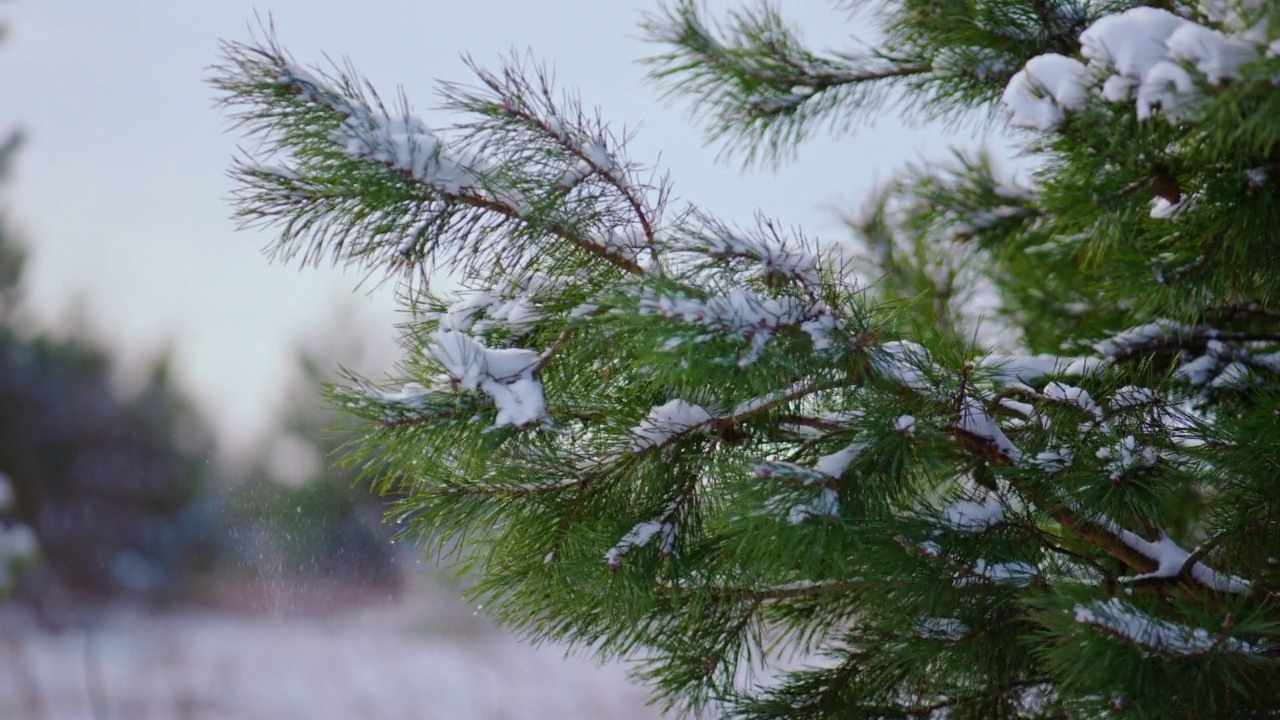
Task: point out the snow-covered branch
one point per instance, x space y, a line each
1118 619
1148 56
327 126
661 529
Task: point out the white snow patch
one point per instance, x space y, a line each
1127 341
975 421
905 425
972 517
1213 54
741 312
405 143
1131 42
836 463
941 629
1049 84
1073 395
1170 557
516 313
1144 49
1170 89
598 155
1235 375
505 375
410 395
626 241
644 533
666 421
1126 457
1162 209
1131 396
1242 17
1117 617
1053 460
753 405
1026 410
790 259
1201 369
575 173
903 362
1012 369
827 505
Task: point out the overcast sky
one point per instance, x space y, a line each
121 190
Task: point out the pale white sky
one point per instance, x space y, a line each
122 194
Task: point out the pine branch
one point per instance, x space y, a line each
363 172
759 89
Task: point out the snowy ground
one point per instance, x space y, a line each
411 657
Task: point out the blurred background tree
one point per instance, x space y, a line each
298 510
113 484
125 488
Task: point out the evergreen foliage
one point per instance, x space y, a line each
795 482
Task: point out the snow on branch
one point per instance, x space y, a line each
1072 395
1040 94
824 476
1125 458
661 528
479 311
826 472
678 418
515 101
778 255
903 362
969 516
402 143
1011 369
976 423
505 375
1160 559
1116 618
342 143
1131 396
1147 56
411 404
1012 572
1172 561
667 421
1143 338
745 314
770 400
825 505
1220 364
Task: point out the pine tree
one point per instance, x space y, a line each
1016 457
